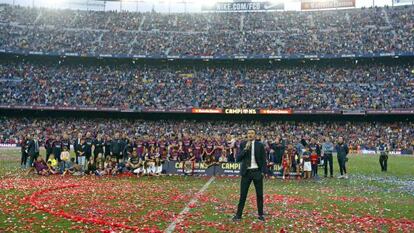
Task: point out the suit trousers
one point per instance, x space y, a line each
256 176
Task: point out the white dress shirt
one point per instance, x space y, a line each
253 164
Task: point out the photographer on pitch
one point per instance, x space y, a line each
253 164
342 151
383 159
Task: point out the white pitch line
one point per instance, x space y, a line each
194 200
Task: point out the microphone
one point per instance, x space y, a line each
248 145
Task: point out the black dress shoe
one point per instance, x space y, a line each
236 218
261 218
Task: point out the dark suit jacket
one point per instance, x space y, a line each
31 151
76 145
245 157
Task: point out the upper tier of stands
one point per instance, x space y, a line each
373 30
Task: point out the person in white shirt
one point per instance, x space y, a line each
253 164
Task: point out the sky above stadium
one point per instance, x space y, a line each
167 6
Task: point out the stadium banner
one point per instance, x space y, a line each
107 109
276 111
163 110
228 169
24 107
217 57
240 111
317 112
207 110
72 54
64 108
220 169
326 4
302 112
402 111
7 145
217 169
35 53
326 112
403 2
88 109
228 111
5 106
353 112
176 168
48 108
367 151
244 6
370 112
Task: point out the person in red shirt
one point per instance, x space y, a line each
314 161
286 164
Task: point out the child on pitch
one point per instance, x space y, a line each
111 166
91 167
53 162
100 162
285 164
314 163
51 169
100 166
65 158
107 165
307 165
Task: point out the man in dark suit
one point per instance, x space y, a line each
342 151
32 150
23 145
253 164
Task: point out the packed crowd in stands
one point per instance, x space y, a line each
328 87
206 34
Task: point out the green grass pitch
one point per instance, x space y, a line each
369 201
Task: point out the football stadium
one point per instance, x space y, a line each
207 116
